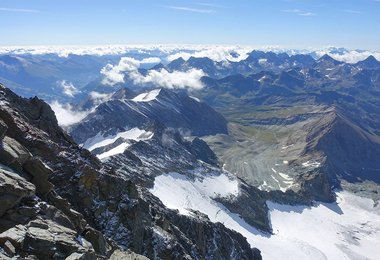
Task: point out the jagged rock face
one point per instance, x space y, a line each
69 202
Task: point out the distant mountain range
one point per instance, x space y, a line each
187 172
42 74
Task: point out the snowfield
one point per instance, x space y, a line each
132 134
114 151
100 140
348 229
146 97
177 191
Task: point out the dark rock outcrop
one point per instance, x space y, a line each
202 151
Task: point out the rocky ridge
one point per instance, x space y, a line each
61 202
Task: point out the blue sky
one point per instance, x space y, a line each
288 23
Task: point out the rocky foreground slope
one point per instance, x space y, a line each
59 201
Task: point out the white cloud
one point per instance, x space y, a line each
216 53
66 115
307 14
97 95
99 50
212 5
300 12
349 56
99 98
68 88
150 60
171 52
17 10
114 74
352 11
190 9
171 80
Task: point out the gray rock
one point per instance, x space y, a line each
97 240
18 215
13 189
15 235
13 154
315 185
126 255
3 256
81 256
9 248
58 216
3 129
41 174
47 239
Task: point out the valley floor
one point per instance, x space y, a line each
347 229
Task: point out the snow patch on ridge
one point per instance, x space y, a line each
146 97
132 134
311 164
114 151
195 98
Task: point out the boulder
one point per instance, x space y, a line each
13 154
97 240
47 239
63 205
41 174
13 188
3 129
57 216
126 255
9 248
80 256
18 215
14 235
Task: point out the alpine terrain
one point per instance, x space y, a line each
179 153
